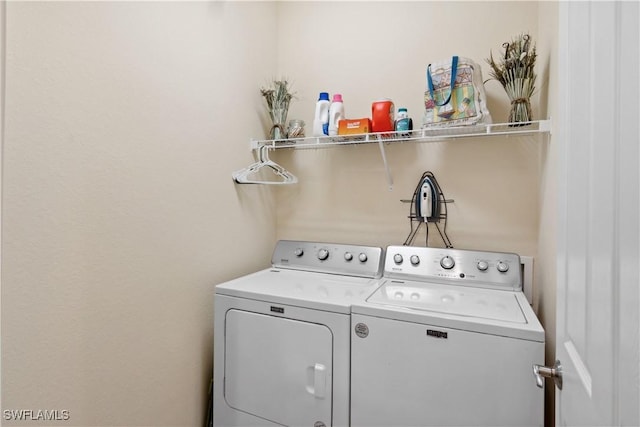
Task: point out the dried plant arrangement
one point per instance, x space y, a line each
278 97
515 72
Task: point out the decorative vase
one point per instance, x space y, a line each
520 111
515 70
277 97
279 118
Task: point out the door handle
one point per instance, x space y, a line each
317 380
541 372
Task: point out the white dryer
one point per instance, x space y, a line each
448 339
282 341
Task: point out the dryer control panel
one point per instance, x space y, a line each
333 258
484 269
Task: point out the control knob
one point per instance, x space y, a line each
502 267
348 256
323 254
363 257
415 259
397 258
483 265
298 252
447 263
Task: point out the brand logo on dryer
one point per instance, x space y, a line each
437 334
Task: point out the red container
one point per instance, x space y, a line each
382 116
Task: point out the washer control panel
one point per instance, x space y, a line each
335 258
455 266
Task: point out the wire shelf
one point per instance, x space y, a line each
432 134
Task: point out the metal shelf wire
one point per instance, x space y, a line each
430 134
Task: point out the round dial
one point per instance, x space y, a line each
483 265
415 259
348 256
323 254
298 252
363 257
502 267
447 263
397 258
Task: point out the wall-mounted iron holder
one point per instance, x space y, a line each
438 215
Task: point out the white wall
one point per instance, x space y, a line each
124 121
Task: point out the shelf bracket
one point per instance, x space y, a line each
386 164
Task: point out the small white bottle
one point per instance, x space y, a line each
336 113
321 119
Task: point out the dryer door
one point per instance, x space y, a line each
278 369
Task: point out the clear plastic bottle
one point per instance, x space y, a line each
321 119
336 113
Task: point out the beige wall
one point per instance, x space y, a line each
123 123
343 193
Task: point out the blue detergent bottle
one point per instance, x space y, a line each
321 118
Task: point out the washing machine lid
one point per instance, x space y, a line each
458 300
320 291
499 312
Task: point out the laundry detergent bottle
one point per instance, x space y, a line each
321 118
403 122
336 113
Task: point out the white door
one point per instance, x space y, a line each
278 369
597 306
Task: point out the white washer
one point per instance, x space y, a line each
448 339
282 340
